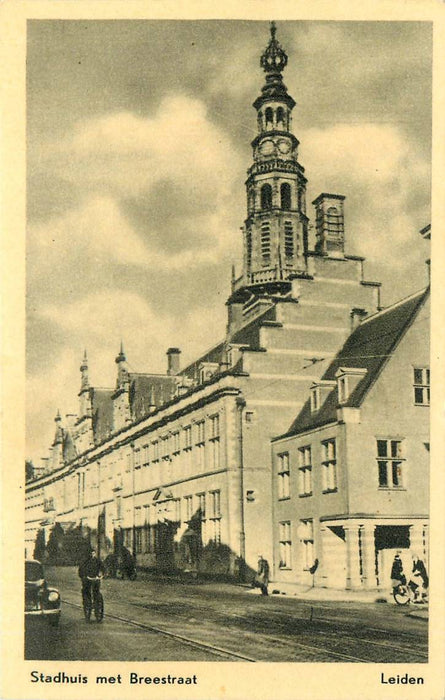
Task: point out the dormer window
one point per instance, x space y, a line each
347 380
319 393
315 398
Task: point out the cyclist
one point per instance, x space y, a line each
91 568
419 580
397 575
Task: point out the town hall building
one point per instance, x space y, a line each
177 467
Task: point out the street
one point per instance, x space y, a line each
169 620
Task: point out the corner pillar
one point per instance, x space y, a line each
352 556
367 541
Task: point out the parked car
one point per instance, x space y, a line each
41 600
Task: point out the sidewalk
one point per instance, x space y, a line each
347 596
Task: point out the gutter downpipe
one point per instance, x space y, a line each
241 404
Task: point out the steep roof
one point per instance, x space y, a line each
369 347
102 413
148 390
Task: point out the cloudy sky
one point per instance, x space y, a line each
138 142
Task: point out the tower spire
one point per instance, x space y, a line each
275 230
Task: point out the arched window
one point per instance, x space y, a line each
285 196
280 118
269 117
266 197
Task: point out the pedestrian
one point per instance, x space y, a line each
397 575
91 568
419 579
262 575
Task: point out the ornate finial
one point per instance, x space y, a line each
121 357
274 58
273 30
84 364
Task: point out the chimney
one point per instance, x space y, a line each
357 316
173 361
330 225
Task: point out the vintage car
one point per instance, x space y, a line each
41 600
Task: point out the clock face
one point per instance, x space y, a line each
267 147
283 146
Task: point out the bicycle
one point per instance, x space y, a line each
404 594
93 599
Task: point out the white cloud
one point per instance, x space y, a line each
129 153
385 181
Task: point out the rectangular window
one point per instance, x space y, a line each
188 437
305 471
307 541
188 508
214 441
145 456
283 476
137 459
421 386
200 432
202 515
329 466
155 449
165 448
389 463
265 242
288 239
215 504
138 540
249 249
285 545
176 442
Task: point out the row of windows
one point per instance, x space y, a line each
202 508
390 468
285 196
289 242
278 118
306 540
328 470
171 444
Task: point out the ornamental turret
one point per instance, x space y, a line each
275 231
84 393
121 396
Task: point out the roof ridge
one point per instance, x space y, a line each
380 312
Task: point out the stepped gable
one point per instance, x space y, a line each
368 347
147 391
247 335
102 413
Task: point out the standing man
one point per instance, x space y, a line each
262 575
89 572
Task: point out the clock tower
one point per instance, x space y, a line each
275 239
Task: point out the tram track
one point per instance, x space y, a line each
210 648
288 642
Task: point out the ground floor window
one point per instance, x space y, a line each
285 545
307 542
138 540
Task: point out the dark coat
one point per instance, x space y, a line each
91 567
420 570
397 570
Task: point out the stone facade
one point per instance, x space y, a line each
177 467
